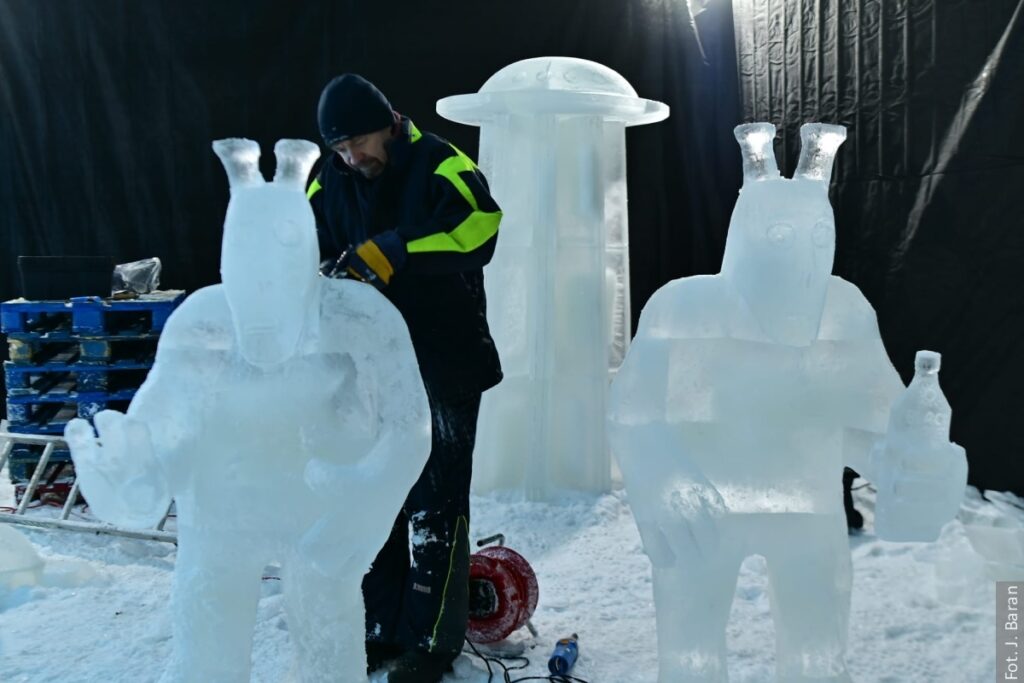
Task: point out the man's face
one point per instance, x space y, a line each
365 153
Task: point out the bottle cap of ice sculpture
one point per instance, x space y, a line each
554 85
927 363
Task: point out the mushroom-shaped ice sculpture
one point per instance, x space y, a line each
553 146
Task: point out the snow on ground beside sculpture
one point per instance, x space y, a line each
594 580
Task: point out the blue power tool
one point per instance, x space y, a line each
564 656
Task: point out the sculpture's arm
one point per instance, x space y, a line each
169 404
674 503
881 387
373 488
387 374
129 473
850 320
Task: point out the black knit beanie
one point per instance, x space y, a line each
349 106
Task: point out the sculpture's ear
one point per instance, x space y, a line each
758 154
819 143
241 159
295 159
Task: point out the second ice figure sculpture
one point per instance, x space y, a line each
286 416
20 566
740 399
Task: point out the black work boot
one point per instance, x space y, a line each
419 666
854 519
378 654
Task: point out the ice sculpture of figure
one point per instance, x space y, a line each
286 416
553 145
741 397
20 564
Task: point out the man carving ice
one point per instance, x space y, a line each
286 416
741 398
407 212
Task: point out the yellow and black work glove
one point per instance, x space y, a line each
378 259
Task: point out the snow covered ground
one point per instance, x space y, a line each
920 613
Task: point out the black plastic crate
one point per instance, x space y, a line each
62 277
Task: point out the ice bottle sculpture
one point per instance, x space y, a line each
286 417
916 454
740 400
552 145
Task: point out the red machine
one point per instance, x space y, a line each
503 592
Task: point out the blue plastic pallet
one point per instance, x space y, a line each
25 457
51 412
38 380
92 316
29 349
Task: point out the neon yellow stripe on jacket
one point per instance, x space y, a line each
450 169
314 187
478 227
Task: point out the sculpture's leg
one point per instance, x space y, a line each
326 624
216 592
810 576
693 600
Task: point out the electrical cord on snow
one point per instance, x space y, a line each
522 663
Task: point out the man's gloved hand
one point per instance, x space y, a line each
378 259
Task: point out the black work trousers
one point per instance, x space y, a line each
417 590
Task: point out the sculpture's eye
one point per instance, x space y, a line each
288 232
823 233
779 233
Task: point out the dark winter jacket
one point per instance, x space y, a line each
438 201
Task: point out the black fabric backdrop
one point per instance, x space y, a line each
929 186
107 111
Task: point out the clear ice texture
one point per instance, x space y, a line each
286 417
553 148
920 476
20 564
742 396
20 567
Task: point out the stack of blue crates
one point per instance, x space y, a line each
73 359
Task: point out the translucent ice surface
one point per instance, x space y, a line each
553 147
920 476
742 396
20 567
286 416
20 564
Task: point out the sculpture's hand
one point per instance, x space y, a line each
334 546
680 524
118 473
362 512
